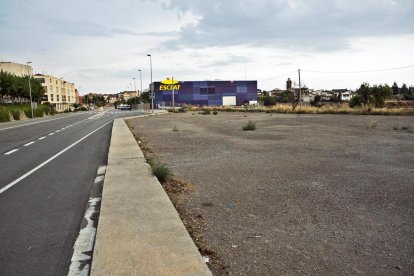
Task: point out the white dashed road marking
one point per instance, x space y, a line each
11 184
10 152
28 144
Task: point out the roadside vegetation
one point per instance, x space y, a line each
369 100
14 89
9 112
341 108
160 171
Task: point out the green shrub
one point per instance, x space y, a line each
16 114
215 112
160 171
38 112
4 115
249 126
175 128
206 112
27 111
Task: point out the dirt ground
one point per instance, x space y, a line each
302 194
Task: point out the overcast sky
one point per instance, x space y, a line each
101 44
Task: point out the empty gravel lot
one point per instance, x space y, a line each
302 194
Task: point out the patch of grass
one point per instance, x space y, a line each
215 112
160 171
206 112
249 126
404 128
175 128
395 128
372 126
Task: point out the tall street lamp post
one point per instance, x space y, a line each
152 86
140 76
30 88
135 85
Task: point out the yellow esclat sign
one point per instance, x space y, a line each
169 84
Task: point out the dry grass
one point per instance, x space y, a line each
326 109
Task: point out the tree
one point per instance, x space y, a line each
18 87
268 100
404 90
395 89
134 100
367 95
316 101
380 93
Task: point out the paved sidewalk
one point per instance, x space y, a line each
139 230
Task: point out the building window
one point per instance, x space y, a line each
57 97
207 90
41 80
50 80
51 88
51 97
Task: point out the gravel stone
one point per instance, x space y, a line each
302 194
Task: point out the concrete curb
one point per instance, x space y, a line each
139 231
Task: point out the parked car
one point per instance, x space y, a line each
124 107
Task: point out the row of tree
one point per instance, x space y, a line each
371 95
402 92
16 89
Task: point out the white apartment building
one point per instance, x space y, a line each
60 93
16 69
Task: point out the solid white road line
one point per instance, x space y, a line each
10 152
28 144
8 186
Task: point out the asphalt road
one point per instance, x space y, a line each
47 168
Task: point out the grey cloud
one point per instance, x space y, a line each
232 59
304 24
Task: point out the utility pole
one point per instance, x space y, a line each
172 83
152 86
30 88
300 91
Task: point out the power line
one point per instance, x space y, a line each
278 76
355 72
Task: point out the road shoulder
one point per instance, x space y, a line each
139 229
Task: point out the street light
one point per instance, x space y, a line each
30 88
140 75
152 86
135 85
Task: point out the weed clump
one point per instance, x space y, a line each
249 126
160 171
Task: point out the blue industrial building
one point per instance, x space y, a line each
204 93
